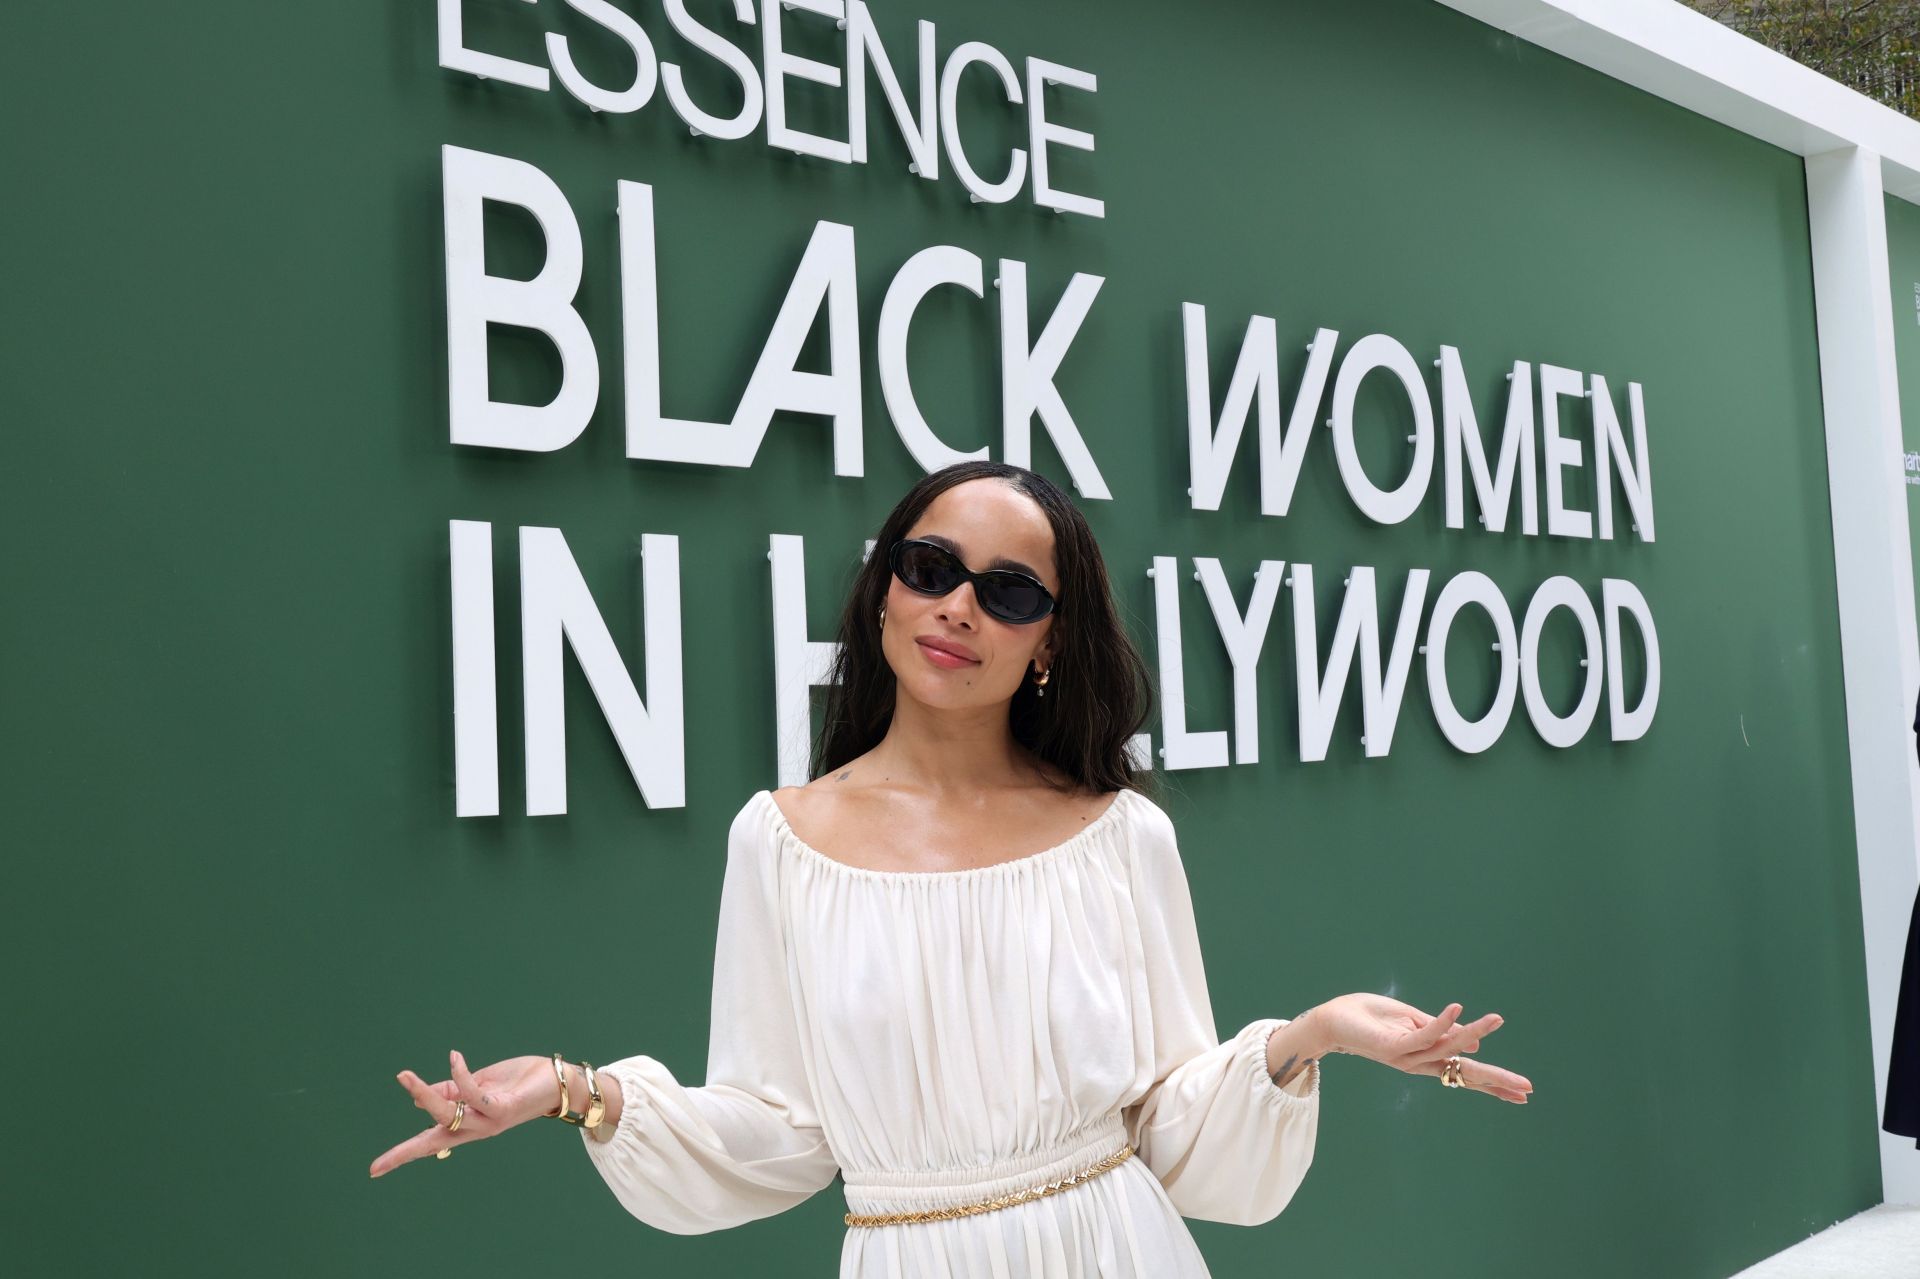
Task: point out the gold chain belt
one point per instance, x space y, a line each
1113 1160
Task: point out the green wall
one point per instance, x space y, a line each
1903 267
238 899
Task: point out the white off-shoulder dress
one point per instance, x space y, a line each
944 1037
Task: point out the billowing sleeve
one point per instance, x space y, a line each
747 1144
1226 1142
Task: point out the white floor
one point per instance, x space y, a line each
1880 1243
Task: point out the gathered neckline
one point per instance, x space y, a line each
785 828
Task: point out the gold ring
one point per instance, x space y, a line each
1450 1073
459 1113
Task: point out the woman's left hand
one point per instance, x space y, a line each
1400 1035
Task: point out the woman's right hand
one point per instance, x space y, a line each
498 1097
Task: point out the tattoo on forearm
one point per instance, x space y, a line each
1286 1067
844 776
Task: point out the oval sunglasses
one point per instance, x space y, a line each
927 568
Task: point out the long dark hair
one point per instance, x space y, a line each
1098 695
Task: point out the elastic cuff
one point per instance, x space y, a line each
1299 1093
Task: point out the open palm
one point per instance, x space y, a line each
498 1097
1394 1034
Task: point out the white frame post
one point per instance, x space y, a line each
1873 569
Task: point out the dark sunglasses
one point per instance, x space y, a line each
929 569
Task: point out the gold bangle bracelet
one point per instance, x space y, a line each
596 1104
573 1117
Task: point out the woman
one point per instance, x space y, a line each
1900 1114
1008 1054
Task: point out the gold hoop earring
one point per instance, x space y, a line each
883 617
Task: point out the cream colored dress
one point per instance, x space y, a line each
943 1037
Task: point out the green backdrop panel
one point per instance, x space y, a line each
1903 266
239 899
